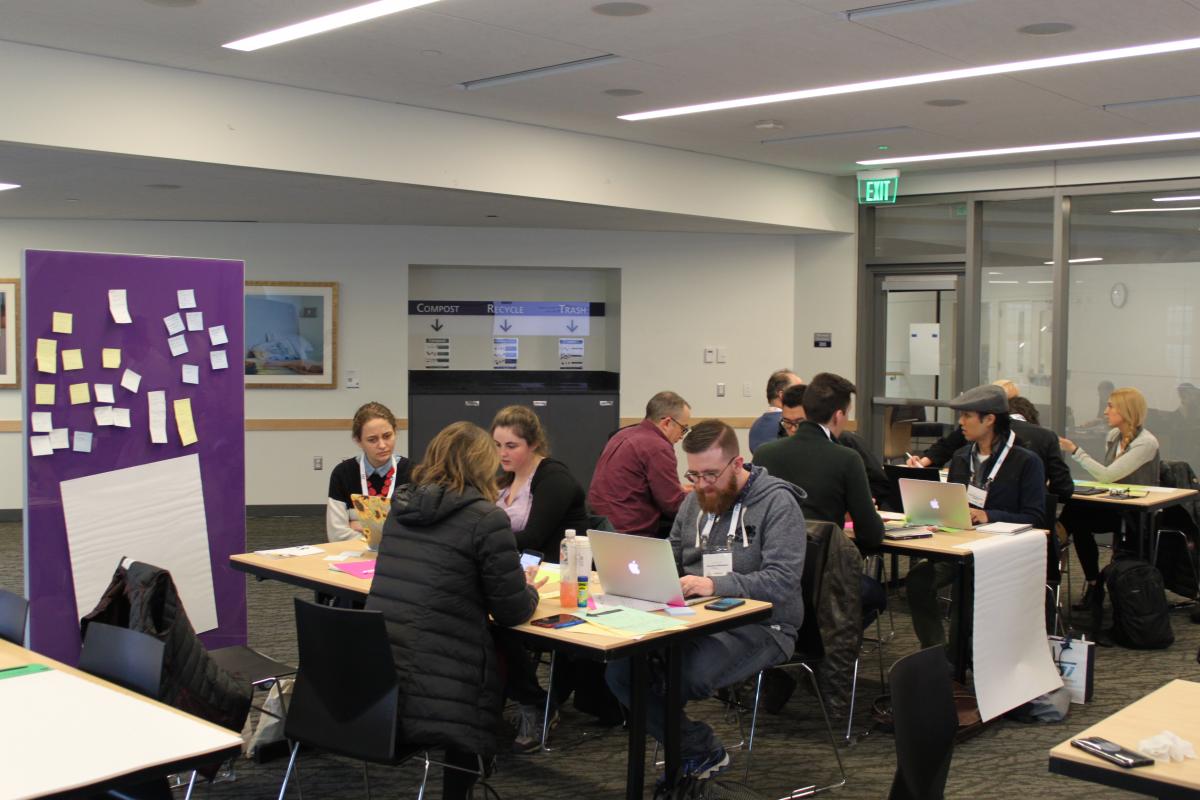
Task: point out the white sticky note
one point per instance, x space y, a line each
60 439
121 417
43 394
111 357
191 373
41 421
157 405
63 322
187 298
83 442
131 381
216 335
40 445
178 345
104 415
104 393
118 306
174 323
218 359
195 320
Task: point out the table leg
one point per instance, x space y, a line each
635 776
673 713
962 600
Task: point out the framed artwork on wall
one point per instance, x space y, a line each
10 333
291 335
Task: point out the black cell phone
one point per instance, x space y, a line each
1111 751
724 604
557 621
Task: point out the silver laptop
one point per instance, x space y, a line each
935 503
635 571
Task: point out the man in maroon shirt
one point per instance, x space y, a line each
636 483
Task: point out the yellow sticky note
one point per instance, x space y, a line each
183 421
111 357
72 359
43 394
63 322
80 393
47 355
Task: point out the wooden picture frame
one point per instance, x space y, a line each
291 335
10 333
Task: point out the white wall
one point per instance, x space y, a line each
826 301
678 293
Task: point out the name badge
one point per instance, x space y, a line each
718 564
976 496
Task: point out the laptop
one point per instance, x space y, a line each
897 471
636 571
943 505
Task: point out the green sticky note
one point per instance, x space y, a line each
25 669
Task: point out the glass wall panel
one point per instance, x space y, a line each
1133 316
921 230
1017 296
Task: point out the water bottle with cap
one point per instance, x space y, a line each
568 587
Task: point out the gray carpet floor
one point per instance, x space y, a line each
790 750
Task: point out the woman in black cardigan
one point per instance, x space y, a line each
447 561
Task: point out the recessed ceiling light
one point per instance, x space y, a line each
431 53
946 102
1037 148
1175 199
329 22
769 125
541 72
623 92
1046 28
1152 210
163 186
621 9
4 187
72 200
1089 260
1176 46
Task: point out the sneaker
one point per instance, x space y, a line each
529 727
705 767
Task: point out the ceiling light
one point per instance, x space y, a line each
1046 28
431 53
769 125
1043 328
4 187
623 92
1003 281
541 72
995 273
1036 148
1089 260
1174 199
1176 46
621 9
895 7
945 102
329 22
1033 282
1151 210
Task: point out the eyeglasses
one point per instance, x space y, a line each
790 425
683 429
709 475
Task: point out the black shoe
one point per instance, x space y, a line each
1196 617
1085 602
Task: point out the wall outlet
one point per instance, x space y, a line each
747 389
722 354
352 379
720 390
318 463
710 355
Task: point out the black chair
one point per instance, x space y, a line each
13 610
925 724
810 649
261 671
346 697
131 659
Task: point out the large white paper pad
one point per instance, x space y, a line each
106 732
157 404
126 513
217 335
1011 660
118 306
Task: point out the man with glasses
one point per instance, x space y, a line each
766 428
739 534
636 482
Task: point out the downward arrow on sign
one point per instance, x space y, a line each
437 324
504 326
572 327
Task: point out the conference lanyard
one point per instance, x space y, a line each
977 495
702 536
362 474
720 562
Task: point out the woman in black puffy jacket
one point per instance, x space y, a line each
448 559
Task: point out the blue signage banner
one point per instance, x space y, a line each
505 308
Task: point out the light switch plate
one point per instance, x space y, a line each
710 355
722 354
747 389
352 379
720 390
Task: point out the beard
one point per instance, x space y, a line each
718 499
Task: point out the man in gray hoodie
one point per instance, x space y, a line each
739 534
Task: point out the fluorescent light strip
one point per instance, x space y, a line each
541 72
1176 199
896 7
1036 148
4 187
1152 210
329 22
1003 281
1074 261
1093 56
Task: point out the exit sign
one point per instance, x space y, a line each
878 187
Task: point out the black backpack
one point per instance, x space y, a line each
1140 616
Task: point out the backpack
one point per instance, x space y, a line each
1140 616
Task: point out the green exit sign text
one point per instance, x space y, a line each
878 187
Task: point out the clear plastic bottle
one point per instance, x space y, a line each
583 570
568 585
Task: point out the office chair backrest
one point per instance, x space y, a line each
128 658
346 695
925 723
808 640
13 610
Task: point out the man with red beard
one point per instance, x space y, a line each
739 534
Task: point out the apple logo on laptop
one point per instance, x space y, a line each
934 504
634 569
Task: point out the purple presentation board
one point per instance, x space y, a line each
79 284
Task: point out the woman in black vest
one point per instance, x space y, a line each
377 470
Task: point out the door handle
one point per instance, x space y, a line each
471 403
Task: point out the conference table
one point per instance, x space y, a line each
1144 502
1174 707
70 734
316 573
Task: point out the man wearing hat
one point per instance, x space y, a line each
1005 483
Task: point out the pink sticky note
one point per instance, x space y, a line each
591 603
357 569
677 600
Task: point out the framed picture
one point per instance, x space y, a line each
291 335
10 333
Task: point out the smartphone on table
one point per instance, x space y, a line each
556 621
1111 751
724 604
530 558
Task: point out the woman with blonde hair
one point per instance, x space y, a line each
447 561
1131 456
